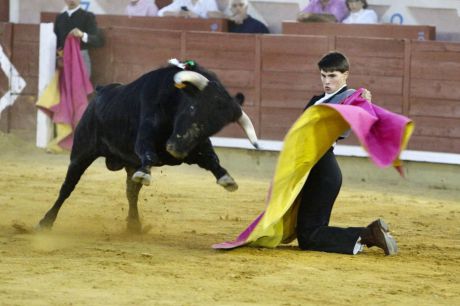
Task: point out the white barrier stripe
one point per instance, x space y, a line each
340 150
16 82
46 70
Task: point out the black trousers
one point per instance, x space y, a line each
317 199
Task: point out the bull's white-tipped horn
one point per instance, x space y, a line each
192 77
248 128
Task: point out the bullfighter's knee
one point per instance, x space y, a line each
227 182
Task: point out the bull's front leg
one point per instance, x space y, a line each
132 193
145 149
205 157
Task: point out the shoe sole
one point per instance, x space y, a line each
383 225
391 248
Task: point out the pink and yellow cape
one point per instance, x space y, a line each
383 135
65 97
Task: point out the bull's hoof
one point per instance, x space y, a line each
228 183
134 226
43 225
142 177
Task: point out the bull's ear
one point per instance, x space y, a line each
239 97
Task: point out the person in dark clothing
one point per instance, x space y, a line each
325 180
80 23
241 21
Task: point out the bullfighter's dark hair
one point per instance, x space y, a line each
364 2
334 61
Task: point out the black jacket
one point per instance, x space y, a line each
85 21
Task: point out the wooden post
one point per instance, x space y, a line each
5 10
407 77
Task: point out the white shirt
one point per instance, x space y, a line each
327 96
201 7
70 12
363 16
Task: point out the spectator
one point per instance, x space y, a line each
79 23
191 9
324 11
359 13
241 22
141 8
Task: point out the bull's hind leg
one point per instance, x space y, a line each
132 193
74 173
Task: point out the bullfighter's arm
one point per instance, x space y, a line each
95 37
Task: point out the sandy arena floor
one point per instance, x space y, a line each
89 259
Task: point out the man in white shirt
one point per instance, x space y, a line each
191 9
80 23
359 13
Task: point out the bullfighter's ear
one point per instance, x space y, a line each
239 97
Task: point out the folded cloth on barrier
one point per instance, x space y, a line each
65 97
383 135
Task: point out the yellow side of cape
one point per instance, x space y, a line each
305 143
49 98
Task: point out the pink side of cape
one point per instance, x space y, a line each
74 86
379 131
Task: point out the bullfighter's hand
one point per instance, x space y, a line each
76 32
367 95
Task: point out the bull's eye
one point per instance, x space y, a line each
192 109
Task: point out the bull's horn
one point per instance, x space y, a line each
248 128
192 77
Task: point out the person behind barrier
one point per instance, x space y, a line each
325 180
241 21
359 13
323 11
191 9
141 8
80 23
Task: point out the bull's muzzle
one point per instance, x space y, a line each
171 149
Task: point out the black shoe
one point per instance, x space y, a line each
378 235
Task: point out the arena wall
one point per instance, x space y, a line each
277 73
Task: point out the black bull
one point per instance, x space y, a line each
163 118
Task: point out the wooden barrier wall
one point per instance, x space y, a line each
21 44
4 10
278 75
164 23
434 98
423 32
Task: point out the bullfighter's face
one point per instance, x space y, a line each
71 4
333 80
